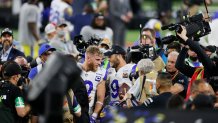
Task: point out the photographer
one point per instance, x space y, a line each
146 48
11 95
209 71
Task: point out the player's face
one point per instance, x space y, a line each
95 62
171 64
114 61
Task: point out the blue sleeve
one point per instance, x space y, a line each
164 57
134 68
33 73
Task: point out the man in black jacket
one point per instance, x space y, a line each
210 66
163 86
10 94
8 52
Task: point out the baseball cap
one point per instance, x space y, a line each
7 31
50 28
115 50
11 68
107 42
44 48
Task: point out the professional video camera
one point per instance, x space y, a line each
196 27
81 44
137 53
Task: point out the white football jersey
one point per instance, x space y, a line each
91 80
116 79
57 10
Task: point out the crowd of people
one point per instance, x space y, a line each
148 75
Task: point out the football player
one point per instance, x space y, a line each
118 75
94 78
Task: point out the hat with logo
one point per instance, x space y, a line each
44 48
11 68
7 31
50 28
115 50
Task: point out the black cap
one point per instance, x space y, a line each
115 50
211 48
7 31
11 68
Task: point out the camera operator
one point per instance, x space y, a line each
210 66
148 47
10 93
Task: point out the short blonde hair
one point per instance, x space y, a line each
92 50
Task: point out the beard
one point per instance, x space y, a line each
115 63
6 44
92 67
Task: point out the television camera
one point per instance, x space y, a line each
196 27
81 44
136 53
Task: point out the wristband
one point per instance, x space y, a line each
99 102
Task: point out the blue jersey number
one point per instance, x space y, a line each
89 86
115 88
